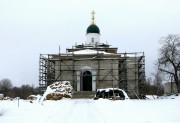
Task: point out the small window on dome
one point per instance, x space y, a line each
92 40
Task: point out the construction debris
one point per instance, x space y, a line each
111 93
58 90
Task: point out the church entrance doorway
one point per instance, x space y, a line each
87 81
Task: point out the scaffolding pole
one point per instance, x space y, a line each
133 63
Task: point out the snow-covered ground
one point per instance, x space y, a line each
91 111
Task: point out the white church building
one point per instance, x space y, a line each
94 65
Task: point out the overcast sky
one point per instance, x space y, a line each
31 27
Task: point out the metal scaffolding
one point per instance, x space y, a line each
53 66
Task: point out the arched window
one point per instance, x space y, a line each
92 40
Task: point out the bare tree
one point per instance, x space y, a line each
157 81
5 86
26 90
169 57
148 87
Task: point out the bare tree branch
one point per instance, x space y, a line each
169 57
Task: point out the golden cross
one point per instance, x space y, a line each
93 16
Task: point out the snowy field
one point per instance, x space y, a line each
91 111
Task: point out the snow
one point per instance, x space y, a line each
59 88
89 51
1 96
164 110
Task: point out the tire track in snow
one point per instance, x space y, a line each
84 112
59 114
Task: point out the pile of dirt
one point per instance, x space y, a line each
32 97
58 90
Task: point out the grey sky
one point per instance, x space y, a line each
31 27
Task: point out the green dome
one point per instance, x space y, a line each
93 29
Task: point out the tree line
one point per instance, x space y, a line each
7 88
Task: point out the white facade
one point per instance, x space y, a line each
79 83
92 39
